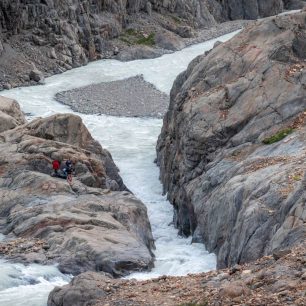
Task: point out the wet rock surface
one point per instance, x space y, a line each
264 282
55 36
132 97
92 224
232 148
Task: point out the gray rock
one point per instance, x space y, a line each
88 287
169 41
50 33
243 198
37 76
92 224
10 114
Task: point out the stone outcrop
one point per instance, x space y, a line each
264 282
236 181
55 36
10 114
92 224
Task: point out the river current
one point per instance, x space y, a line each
131 142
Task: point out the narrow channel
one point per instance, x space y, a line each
132 143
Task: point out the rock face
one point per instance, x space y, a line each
94 224
235 183
57 35
10 114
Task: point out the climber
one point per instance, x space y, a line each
68 170
55 166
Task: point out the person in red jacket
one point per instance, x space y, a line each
56 165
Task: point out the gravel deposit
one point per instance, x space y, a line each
132 97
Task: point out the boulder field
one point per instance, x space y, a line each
92 224
232 148
44 37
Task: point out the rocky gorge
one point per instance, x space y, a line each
45 37
232 145
231 155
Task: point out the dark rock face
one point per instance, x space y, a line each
242 197
294 4
251 9
57 35
92 224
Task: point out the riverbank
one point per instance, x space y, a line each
273 280
131 97
26 64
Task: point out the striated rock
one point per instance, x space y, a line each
92 224
59 35
294 4
236 181
10 114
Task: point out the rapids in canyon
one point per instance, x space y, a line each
131 142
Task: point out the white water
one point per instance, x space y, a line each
28 285
132 143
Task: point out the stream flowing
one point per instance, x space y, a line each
131 142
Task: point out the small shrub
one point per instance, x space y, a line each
297 177
278 136
133 37
148 41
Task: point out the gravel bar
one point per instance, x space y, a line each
132 97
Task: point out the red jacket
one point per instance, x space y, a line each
56 165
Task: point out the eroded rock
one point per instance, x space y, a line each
234 179
10 114
93 224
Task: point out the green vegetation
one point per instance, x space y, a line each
134 37
297 177
278 136
148 41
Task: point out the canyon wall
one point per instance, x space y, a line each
54 36
232 147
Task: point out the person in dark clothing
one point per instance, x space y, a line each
68 170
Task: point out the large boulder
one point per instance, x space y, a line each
92 224
236 181
10 114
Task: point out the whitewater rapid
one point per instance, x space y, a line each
132 143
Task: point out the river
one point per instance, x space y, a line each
132 143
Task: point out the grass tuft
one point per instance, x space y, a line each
148 41
278 136
134 37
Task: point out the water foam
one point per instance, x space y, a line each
132 143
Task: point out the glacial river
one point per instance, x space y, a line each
132 143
